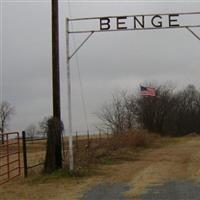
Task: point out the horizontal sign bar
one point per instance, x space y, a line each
90 18
135 22
92 31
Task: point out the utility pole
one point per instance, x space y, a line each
53 159
55 60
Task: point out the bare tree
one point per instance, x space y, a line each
119 114
31 131
43 127
112 114
6 111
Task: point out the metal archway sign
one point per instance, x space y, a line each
121 23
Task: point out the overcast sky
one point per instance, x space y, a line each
107 62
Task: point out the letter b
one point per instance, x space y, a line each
104 23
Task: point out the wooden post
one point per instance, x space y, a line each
8 156
55 59
88 139
24 153
2 138
100 136
88 147
76 141
57 149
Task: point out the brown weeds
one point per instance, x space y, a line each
112 147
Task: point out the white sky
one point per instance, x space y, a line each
107 62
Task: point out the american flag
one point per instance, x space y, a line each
147 91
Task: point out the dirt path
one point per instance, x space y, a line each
178 161
175 162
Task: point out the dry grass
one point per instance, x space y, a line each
110 148
98 149
136 161
136 138
46 188
61 186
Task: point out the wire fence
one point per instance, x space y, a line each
84 151
34 151
88 150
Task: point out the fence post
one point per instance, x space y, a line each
8 156
76 141
88 139
24 153
2 138
18 146
99 135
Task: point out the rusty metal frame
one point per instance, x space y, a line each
8 157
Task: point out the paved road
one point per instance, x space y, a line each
176 190
106 192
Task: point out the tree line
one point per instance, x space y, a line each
171 112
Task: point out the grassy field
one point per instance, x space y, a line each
139 165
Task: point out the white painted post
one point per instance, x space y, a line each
71 157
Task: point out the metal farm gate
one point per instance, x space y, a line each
9 156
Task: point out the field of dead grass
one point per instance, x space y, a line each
167 159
